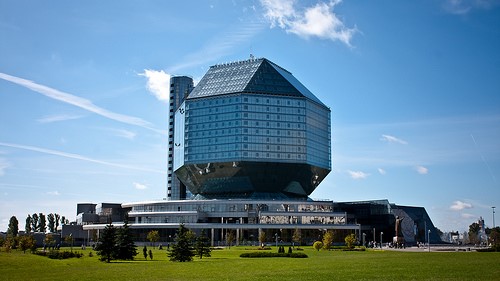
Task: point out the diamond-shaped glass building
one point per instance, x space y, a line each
250 129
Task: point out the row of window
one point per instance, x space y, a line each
281 134
243 156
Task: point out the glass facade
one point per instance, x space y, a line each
247 127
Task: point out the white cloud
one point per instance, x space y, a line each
54 193
139 186
382 171
57 118
78 157
317 21
462 7
392 139
358 175
422 170
78 102
459 205
3 166
158 83
468 216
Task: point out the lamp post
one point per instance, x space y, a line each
429 239
381 233
493 208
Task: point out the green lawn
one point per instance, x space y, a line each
227 265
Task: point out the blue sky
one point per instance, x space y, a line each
414 89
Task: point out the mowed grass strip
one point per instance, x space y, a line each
227 265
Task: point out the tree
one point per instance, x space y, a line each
328 239
13 229
182 249
318 245
262 238
494 238
230 237
27 226
125 247
150 254
57 217
69 240
34 222
106 246
474 233
350 240
26 242
64 220
42 226
51 222
297 237
202 247
145 252
49 240
153 236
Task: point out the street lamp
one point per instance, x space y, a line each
71 237
429 239
381 233
493 208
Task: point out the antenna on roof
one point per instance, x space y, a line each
252 56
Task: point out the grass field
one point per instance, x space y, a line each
227 265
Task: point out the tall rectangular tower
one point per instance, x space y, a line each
180 87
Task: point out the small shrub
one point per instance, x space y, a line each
91 254
318 245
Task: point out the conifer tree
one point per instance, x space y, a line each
125 247
145 252
182 249
202 247
13 229
106 246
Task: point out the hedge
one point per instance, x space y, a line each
272 255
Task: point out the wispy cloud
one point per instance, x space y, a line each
140 186
54 193
3 166
357 175
392 139
58 118
462 7
158 83
468 216
459 205
221 45
79 102
317 21
382 171
422 170
78 157
123 133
